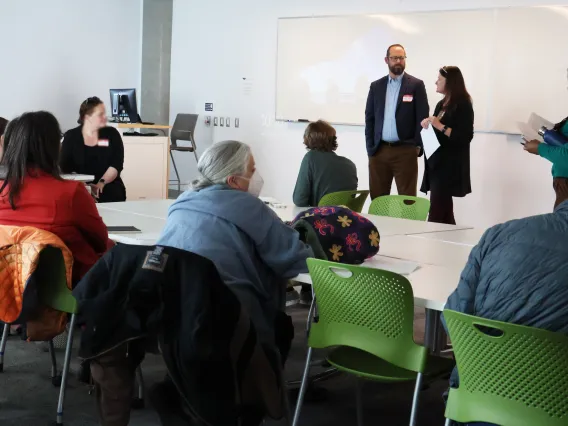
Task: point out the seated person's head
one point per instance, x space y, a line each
31 144
228 163
320 136
92 113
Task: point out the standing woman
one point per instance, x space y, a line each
93 148
447 171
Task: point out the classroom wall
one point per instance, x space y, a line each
57 53
214 49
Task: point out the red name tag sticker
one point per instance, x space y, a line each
407 98
102 142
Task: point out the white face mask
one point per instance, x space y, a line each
255 184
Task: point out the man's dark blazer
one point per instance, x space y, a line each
408 114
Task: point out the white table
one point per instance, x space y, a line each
467 237
440 262
425 251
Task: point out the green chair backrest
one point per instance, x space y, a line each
352 199
510 375
52 281
401 206
364 308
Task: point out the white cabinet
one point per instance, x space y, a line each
146 163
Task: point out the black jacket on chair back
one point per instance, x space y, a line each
207 340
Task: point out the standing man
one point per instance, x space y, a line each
396 105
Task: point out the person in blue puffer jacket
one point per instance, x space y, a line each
518 273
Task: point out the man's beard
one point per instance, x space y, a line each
396 69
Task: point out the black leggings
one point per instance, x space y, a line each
441 207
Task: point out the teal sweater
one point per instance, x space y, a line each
557 155
322 173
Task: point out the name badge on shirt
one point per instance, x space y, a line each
407 98
102 142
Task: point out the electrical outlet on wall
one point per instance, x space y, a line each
222 122
208 121
227 122
216 121
237 122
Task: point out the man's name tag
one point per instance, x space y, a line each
102 142
407 98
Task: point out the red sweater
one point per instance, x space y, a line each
64 208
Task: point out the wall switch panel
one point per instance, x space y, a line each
222 122
237 122
227 122
216 121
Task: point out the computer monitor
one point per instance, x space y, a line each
123 105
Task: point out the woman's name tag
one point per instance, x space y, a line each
102 142
407 98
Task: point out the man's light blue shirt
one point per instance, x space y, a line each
390 134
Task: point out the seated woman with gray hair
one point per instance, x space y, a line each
223 219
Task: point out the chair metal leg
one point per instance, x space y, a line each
448 422
53 359
359 400
175 170
417 388
3 345
303 388
138 401
140 379
66 363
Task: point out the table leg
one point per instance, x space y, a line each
433 332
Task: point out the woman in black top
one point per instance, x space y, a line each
95 149
447 171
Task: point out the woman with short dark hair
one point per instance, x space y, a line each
447 171
93 148
322 171
32 192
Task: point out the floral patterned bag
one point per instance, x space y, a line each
338 234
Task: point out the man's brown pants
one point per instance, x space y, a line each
398 162
114 375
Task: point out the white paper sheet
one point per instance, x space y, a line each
430 141
528 132
398 266
536 122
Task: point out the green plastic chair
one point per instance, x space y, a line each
510 375
55 293
352 199
367 315
401 206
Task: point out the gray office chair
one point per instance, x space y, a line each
183 130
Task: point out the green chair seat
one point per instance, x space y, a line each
364 364
368 366
352 199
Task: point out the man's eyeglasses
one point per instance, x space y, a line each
397 58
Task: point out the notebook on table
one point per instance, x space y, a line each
123 230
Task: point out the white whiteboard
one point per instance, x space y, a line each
515 61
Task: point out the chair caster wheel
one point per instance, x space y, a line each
56 381
137 404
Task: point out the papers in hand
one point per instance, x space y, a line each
527 132
430 141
